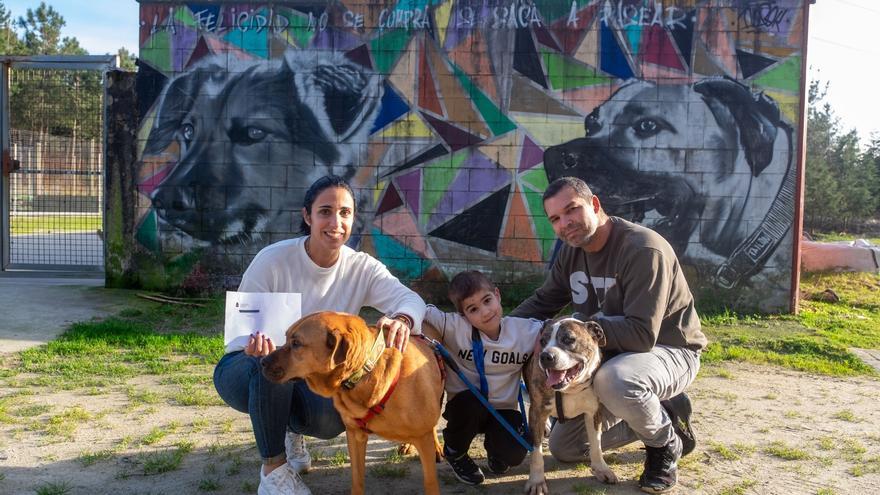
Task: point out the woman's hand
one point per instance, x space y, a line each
396 332
259 345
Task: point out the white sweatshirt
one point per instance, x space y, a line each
355 280
504 358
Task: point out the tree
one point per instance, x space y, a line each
841 181
9 42
42 33
126 59
871 161
822 197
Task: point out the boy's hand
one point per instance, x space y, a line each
259 345
396 332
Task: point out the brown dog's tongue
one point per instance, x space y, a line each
555 376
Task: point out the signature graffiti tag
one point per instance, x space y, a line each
762 15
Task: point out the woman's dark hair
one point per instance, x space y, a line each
317 188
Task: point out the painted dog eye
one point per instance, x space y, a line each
255 134
188 132
567 340
648 127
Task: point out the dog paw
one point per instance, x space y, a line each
537 487
605 475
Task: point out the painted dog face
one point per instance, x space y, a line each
569 351
687 160
252 137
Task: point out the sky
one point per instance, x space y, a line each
840 36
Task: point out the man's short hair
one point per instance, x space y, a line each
466 284
579 186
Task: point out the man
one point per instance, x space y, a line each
627 279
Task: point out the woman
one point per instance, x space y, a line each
330 276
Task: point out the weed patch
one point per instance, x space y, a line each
61 488
165 461
785 452
88 458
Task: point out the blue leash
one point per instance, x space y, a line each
447 358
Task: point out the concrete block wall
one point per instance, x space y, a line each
450 118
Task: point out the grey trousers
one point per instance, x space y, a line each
630 387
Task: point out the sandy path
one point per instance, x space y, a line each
741 411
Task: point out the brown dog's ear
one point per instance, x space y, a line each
338 345
596 331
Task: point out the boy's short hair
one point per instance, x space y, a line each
465 284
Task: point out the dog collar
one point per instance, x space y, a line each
372 358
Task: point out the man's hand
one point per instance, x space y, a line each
396 332
259 345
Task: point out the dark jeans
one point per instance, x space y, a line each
466 417
273 407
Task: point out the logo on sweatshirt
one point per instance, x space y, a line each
578 282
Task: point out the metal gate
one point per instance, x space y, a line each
53 162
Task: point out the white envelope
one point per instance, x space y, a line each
270 313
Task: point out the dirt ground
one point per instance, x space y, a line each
750 419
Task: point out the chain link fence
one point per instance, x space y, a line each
56 196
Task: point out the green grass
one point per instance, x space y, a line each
733 452
168 340
53 488
842 236
65 423
847 415
155 435
167 460
738 489
786 452
339 458
581 489
816 340
209 485
88 458
53 224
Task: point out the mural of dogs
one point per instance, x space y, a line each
561 376
708 165
326 348
252 136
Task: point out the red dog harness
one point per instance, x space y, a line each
376 410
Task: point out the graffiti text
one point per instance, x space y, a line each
414 18
765 15
514 15
621 16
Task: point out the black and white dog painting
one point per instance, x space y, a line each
708 165
252 136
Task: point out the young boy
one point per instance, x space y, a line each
507 343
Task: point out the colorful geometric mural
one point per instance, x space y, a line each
450 117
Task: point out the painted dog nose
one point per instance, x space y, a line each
548 359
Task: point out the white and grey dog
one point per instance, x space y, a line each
708 165
559 379
251 136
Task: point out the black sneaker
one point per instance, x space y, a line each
679 410
661 467
465 469
497 466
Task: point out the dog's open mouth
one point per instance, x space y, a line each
559 379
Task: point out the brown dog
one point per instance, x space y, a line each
326 349
561 377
